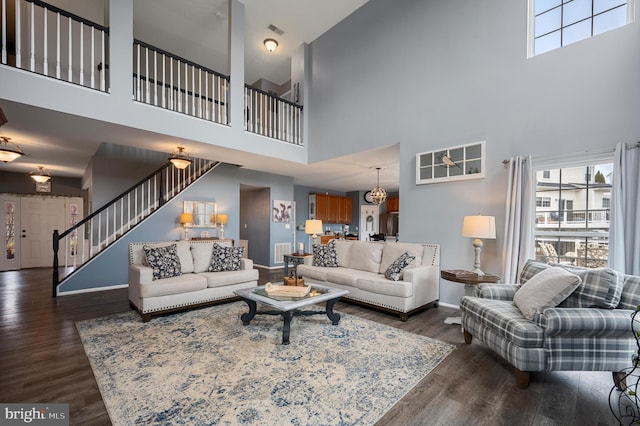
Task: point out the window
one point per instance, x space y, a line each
572 215
546 174
557 23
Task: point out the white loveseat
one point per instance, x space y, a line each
195 286
361 268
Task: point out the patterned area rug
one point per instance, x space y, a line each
204 367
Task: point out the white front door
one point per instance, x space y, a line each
39 217
369 221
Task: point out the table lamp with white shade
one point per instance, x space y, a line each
313 227
478 227
222 219
186 219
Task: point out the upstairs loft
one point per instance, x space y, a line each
91 70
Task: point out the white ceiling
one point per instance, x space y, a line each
64 144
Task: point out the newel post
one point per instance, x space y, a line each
56 246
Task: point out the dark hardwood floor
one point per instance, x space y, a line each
42 360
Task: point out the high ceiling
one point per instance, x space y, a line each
64 144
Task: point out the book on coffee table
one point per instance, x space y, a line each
458 273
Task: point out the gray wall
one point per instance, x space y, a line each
21 183
433 74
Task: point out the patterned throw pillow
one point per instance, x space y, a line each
394 271
225 258
325 255
163 260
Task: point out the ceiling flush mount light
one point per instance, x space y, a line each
40 175
378 195
180 158
9 151
270 44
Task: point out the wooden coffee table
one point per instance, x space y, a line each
288 307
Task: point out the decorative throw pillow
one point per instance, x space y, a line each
546 289
163 260
394 271
225 258
325 255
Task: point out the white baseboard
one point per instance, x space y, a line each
91 290
448 305
268 267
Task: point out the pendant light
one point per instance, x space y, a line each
9 151
40 175
378 194
180 159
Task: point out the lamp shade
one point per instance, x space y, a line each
479 227
270 44
180 159
186 218
313 227
222 218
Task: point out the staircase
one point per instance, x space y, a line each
87 239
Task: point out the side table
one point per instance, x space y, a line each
295 259
470 280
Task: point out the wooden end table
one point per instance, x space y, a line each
295 259
470 280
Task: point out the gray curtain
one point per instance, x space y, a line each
518 228
624 230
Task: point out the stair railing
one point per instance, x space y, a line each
89 237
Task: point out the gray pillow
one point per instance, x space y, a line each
546 289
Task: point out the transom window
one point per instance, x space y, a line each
557 23
572 215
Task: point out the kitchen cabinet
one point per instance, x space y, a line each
330 208
393 204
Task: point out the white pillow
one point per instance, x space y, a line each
545 289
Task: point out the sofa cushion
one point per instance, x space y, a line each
504 319
201 253
380 285
394 271
392 251
545 289
530 268
343 248
317 273
600 288
163 260
225 258
224 278
174 285
325 255
344 276
630 297
366 256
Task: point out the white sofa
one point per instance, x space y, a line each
361 268
196 286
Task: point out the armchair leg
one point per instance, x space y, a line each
522 379
467 337
620 380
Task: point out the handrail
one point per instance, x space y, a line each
179 58
69 15
115 199
271 95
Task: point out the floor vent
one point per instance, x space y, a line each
280 249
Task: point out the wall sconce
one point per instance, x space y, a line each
478 227
40 175
222 220
180 159
9 151
270 44
313 227
186 219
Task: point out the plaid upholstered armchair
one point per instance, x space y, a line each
586 327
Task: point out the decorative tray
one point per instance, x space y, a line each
286 290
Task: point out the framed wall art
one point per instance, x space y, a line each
450 164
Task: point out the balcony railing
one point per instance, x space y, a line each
573 219
168 81
271 116
44 39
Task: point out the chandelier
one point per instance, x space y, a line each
180 159
378 194
9 151
40 175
